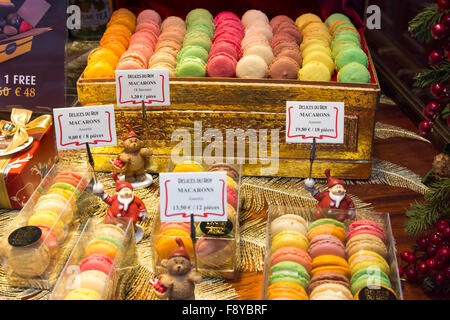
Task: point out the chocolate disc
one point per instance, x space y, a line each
24 236
376 293
216 228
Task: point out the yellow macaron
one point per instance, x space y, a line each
368 262
333 263
316 47
82 294
321 57
290 239
305 19
50 220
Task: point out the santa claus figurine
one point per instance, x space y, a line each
123 204
333 198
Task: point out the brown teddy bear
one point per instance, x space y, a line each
133 156
180 280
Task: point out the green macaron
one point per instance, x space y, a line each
197 38
345 37
351 55
339 25
66 186
110 239
354 72
289 271
191 67
194 52
334 18
320 222
342 46
367 277
197 14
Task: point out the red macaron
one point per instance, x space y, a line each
366 226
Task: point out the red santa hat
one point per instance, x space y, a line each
131 133
332 181
121 184
181 251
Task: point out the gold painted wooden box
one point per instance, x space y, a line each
260 105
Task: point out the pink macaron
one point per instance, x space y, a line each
366 227
326 244
225 15
232 197
226 46
149 25
148 15
221 65
142 49
175 225
98 262
291 254
214 252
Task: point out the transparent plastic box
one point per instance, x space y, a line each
38 242
347 217
108 283
220 263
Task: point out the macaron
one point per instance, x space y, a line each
283 68
320 57
331 291
194 52
174 225
303 20
286 290
252 67
166 244
366 227
253 15
162 58
262 50
172 21
226 46
328 277
49 239
351 54
109 230
221 65
293 53
341 46
214 252
316 47
50 220
58 206
289 271
335 17
314 71
103 54
230 170
288 222
289 239
331 229
102 246
189 166
92 279
131 61
66 186
191 67
364 262
82 294
149 15
366 242
326 244
330 263
367 278
98 262
354 73
323 221
232 197
291 254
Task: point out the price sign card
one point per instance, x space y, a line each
203 194
95 125
322 120
136 86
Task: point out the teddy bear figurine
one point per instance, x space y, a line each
180 280
132 160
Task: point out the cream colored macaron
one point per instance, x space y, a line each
262 50
251 67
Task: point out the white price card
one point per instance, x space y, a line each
322 120
150 86
203 194
74 127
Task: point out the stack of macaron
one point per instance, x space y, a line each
54 211
199 33
142 42
170 41
226 46
351 61
256 49
285 44
94 278
166 239
316 52
367 253
330 269
52 214
290 264
115 41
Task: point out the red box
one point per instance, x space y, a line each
24 170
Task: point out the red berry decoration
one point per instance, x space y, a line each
431 263
435 57
439 278
405 255
438 90
443 253
446 231
443 5
425 127
438 31
447 272
422 267
411 274
446 20
401 271
422 243
432 250
431 110
436 238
